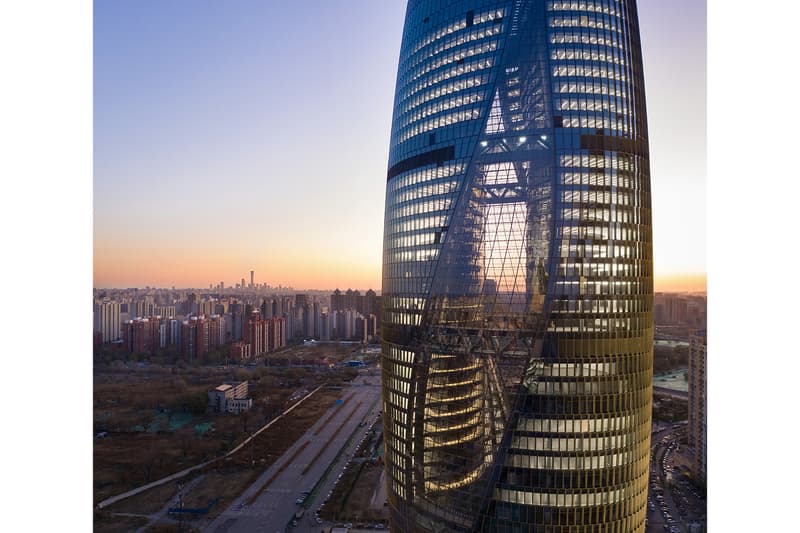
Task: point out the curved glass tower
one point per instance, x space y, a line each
517 270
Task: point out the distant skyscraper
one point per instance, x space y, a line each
252 279
697 401
517 270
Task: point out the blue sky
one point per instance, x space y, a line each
239 135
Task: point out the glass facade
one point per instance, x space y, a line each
517 270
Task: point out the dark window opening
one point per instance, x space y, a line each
431 139
558 121
438 156
425 20
470 18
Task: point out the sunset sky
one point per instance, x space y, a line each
252 135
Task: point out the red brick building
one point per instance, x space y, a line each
141 335
254 333
240 351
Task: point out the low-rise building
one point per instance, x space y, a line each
229 398
237 405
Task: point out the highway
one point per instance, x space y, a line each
268 505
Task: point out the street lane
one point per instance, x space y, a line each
299 469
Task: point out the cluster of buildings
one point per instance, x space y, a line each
680 309
194 323
260 336
193 337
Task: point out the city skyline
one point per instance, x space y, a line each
186 163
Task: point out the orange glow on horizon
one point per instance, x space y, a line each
680 283
165 270
192 272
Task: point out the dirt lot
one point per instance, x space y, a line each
357 507
352 497
150 421
155 424
227 480
148 502
153 418
223 480
108 523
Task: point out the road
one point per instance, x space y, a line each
268 505
658 475
681 395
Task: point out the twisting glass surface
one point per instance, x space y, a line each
517 270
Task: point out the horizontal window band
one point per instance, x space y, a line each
438 156
610 142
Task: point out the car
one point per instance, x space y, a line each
348 525
319 520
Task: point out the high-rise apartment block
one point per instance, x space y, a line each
142 335
107 320
301 300
697 402
199 335
239 351
517 270
264 335
368 304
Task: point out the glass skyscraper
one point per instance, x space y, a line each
517 270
